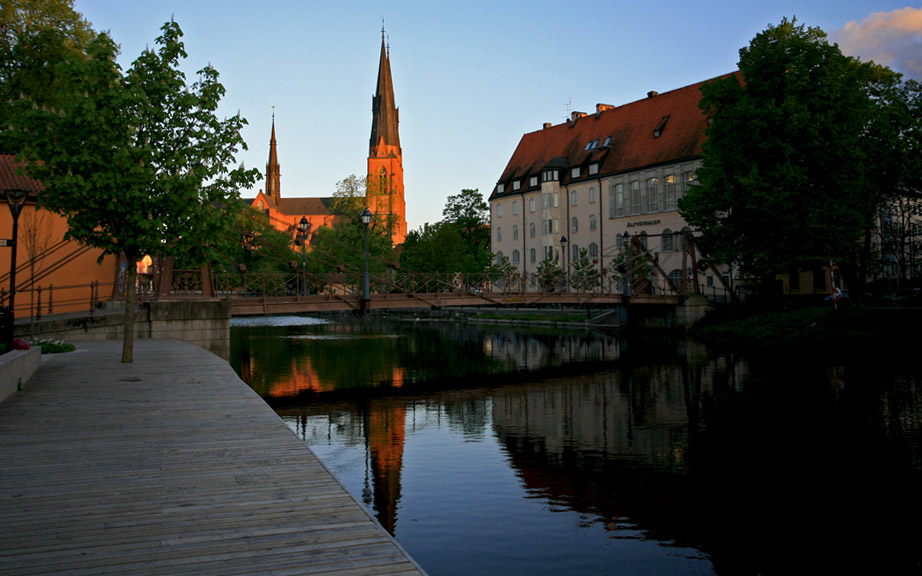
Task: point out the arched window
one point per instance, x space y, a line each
515 231
574 224
499 234
643 240
593 250
573 198
592 195
515 206
531 229
532 255
515 256
676 278
668 241
531 204
592 222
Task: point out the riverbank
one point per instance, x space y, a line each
851 325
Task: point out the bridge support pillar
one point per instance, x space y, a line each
694 307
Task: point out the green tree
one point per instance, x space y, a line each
584 275
784 178
471 215
349 199
137 163
549 275
35 36
438 247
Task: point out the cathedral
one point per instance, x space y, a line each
384 187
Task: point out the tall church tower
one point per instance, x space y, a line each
273 172
385 158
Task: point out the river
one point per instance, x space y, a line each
527 450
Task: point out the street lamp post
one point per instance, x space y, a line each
627 264
15 198
563 263
366 220
305 227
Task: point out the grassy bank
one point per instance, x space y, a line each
852 325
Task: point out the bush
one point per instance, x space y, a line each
49 346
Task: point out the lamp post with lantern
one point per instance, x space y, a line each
564 263
304 226
15 198
366 220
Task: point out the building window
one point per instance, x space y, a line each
556 199
515 256
533 181
551 175
556 229
573 201
669 197
516 185
592 195
688 178
499 234
575 254
532 255
500 188
545 227
531 230
636 198
592 223
574 172
515 231
531 204
652 194
668 241
545 200
499 210
574 225
594 168
675 277
616 201
499 257
593 250
643 240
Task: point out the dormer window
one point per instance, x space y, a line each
594 168
658 131
533 181
516 185
551 175
500 188
574 172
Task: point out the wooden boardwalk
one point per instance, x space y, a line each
170 465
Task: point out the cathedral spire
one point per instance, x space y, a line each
384 110
273 172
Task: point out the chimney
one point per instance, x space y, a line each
603 107
652 93
574 116
547 125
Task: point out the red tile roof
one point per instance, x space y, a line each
632 144
10 180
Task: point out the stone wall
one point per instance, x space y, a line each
16 368
205 323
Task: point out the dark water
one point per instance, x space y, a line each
490 450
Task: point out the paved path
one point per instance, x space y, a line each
170 465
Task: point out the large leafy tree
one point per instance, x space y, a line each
138 162
460 242
35 36
786 180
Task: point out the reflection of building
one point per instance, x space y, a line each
44 258
385 171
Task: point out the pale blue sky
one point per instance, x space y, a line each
470 78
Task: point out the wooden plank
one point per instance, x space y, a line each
170 465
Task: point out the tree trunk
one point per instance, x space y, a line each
131 302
